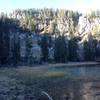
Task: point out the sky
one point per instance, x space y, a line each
8 6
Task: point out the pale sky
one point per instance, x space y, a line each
80 5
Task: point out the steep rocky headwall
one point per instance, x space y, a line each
59 21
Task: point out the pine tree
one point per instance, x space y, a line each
60 49
44 47
73 46
29 46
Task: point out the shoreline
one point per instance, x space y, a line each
69 64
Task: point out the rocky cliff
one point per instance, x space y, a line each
62 21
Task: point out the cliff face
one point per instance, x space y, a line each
89 26
50 20
64 22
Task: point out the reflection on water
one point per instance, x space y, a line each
86 87
73 89
83 71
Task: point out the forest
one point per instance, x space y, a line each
46 35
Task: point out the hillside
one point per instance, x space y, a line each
61 21
48 35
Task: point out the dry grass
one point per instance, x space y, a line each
55 74
30 74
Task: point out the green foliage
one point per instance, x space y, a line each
31 25
70 14
90 50
4 40
16 49
44 47
95 14
98 50
60 49
29 46
48 19
63 24
73 46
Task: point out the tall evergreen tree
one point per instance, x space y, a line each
44 47
60 49
73 46
4 40
90 50
16 49
29 46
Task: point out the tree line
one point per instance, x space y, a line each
65 48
